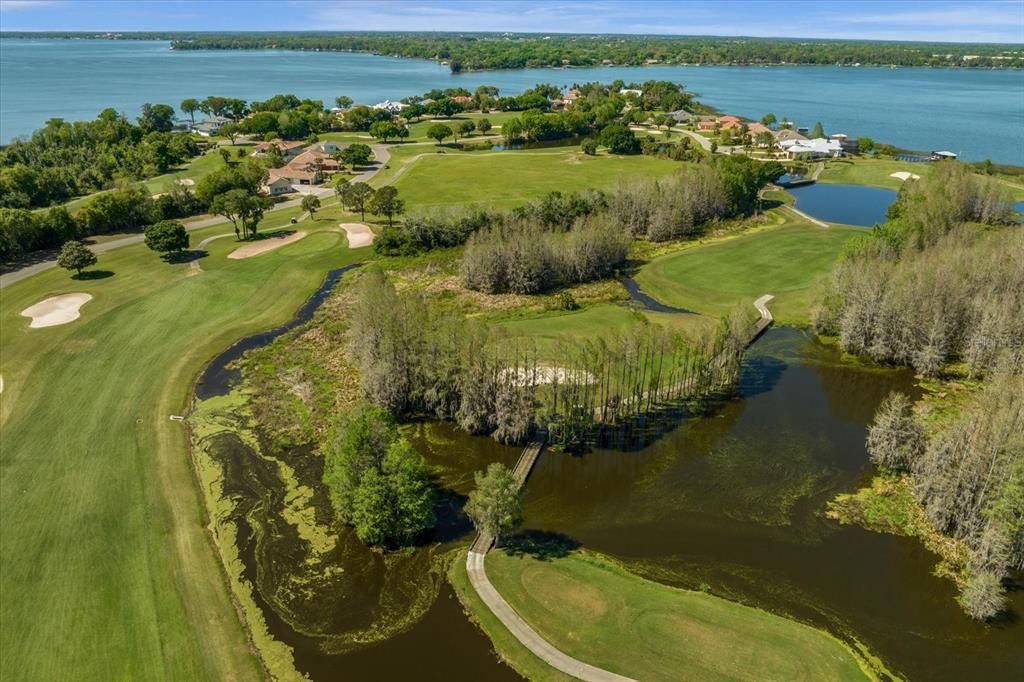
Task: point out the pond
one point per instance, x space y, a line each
732 500
846 204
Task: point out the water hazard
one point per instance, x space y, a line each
731 501
846 204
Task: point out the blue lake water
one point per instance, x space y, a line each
976 113
846 204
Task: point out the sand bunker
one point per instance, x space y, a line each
187 182
56 310
264 245
904 175
359 234
545 375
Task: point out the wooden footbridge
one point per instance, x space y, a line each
484 541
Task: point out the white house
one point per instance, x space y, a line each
814 149
278 186
389 106
210 126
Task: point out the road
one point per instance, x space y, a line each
526 635
381 156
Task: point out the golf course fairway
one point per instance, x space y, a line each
107 571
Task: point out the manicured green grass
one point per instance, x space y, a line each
868 171
107 570
194 170
551 330
593 609
712 278
507 647
509 179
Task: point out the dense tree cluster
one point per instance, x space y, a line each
522 257
63 160
377 481
425 231
969 478
467 51
416 359
22 230
928 287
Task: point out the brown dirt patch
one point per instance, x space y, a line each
557 591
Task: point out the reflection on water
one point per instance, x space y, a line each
846 204
735 501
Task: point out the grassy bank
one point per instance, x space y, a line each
593 609
107 570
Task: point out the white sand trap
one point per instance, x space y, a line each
187 182
543 374
359 234
904 175
56 310
264 245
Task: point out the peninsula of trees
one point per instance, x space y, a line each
476 52
486 51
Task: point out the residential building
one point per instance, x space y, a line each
817 148
277 185
462 99
729 123
210 126
682 116
389 106
786 135
289 148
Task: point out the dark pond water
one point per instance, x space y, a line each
846 204
732 500
652 304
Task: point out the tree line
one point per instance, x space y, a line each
483 51
933 285
968 476
415 359
63 160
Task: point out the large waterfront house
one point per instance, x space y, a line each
210 126
818 148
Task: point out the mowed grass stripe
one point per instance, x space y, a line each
100 579
593 609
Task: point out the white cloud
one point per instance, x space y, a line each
17 5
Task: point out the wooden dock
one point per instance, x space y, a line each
484 541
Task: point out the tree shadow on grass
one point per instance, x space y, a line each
185 256
92 274
274 233
541 545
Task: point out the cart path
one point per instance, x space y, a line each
526 635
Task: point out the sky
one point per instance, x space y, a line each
999 21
